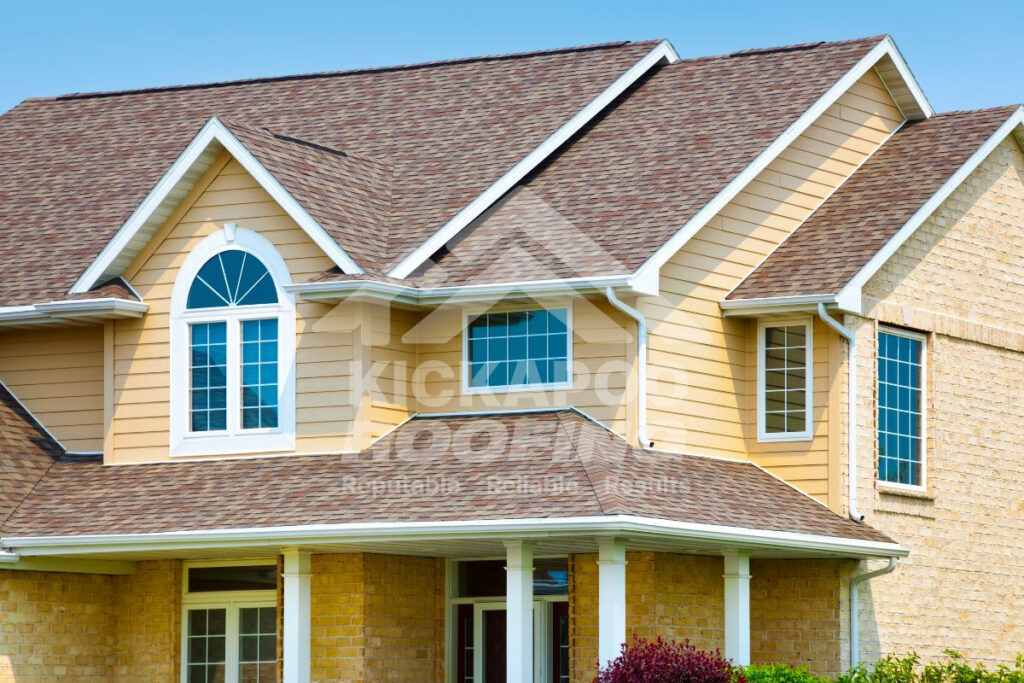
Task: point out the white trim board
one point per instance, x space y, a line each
662 52
170 188
885 48
485 529
849 297
72 309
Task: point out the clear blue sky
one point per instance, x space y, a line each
965 54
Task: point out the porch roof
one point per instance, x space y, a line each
551 471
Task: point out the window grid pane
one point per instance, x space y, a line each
899 409
209 377
259 374
207 634
521 348
785 379
257 644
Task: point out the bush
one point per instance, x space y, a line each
780 673
661 661
954 669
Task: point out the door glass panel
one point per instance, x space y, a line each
257 644
494 646
207 636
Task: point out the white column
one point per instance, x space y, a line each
519 611
737 607
296 615
611 599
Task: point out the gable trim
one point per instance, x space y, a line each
885 48
850 296
212 132
662 52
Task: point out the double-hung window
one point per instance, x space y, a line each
518 350
901 363
784 380
232 349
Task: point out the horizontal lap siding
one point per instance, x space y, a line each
702 397
141 423
57 372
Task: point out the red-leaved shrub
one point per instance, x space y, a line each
668 661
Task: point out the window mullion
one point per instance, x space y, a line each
231 644
234 357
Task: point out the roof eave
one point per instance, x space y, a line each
68 310
634 527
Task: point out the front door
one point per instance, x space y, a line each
481 636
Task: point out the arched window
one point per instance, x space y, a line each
232 349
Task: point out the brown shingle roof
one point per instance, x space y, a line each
26 453
838 239
609 199
72 169
561 464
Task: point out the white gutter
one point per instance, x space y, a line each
73 309
641 360
8 556
851 401
416 296
855 612
636 528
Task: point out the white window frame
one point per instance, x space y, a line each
234 440
762 433
231 602
470 314
923 338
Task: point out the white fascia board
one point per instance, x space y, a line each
212 131
662 52
332 291
75 309
631 526
885 47
850 297
773 305
908 78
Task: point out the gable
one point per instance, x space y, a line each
966 261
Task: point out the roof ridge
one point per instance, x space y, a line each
342 73
777 49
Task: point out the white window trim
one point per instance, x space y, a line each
923 338
231 602
184 442
469 314
807 434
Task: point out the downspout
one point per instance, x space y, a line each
855 613
851 404
641 353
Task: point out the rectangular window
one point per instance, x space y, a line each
259 373
901 408
784 378
521 349
257 644
209 363
207 638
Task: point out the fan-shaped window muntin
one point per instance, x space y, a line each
232 278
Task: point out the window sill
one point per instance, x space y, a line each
899 491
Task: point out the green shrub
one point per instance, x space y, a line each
780 673
953 669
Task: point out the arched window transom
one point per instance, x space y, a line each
232 278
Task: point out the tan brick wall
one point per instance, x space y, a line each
55 625
377 618
959 279
148 628
796 614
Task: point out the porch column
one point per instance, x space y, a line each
611 598
296 634
737 607
519 611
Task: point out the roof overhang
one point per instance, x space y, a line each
662 53
72 310
334 292
890 66
639 531
180 178
782 305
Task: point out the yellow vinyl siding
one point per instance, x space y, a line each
712 408
141 353
601 336
57 372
